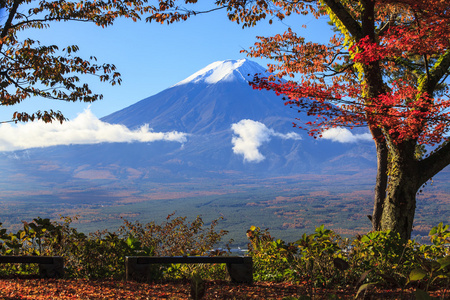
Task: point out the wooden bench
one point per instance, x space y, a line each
240 268
49 266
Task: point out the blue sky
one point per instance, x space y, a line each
153 57
86 128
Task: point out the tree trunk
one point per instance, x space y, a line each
399 207
381 180
404 181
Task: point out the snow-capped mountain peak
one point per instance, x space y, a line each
227 70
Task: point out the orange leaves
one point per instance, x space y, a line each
319 99
40 289
294 55
35 70
30 69
46 116
43 289
73 48
404 41
367 51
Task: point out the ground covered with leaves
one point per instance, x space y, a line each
59 289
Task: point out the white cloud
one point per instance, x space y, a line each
250 135
343 135
84 129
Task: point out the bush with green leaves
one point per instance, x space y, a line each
433 268
102 254
384 258
272 259
316 257
324 260
321 258
177 237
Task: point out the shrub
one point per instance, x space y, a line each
321 258
272 259
101 254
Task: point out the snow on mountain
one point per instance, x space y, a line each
231 125
199 106
227 70
228 125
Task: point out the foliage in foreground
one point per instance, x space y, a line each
324 260
102 254
317 261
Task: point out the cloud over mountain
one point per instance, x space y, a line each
224 125
249 135
84 129
343 135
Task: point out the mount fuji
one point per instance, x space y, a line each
220 137
231 127
228 128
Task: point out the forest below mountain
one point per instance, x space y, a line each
289 206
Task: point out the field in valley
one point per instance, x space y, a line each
287 206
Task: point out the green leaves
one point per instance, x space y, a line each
417 274
369 262
363 288
316 261
440 234
101 254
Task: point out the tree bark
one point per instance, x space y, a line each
404 181
381 182
399 207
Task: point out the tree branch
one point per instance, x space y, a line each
7 26
429 81
346 18
430 166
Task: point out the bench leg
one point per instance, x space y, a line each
241 272
140 272
54 270
130 268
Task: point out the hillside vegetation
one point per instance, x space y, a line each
317 264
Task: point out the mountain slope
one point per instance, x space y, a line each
232 129
200 104
209 102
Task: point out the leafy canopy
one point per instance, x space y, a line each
408 48
29 68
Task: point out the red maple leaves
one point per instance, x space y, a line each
334 82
